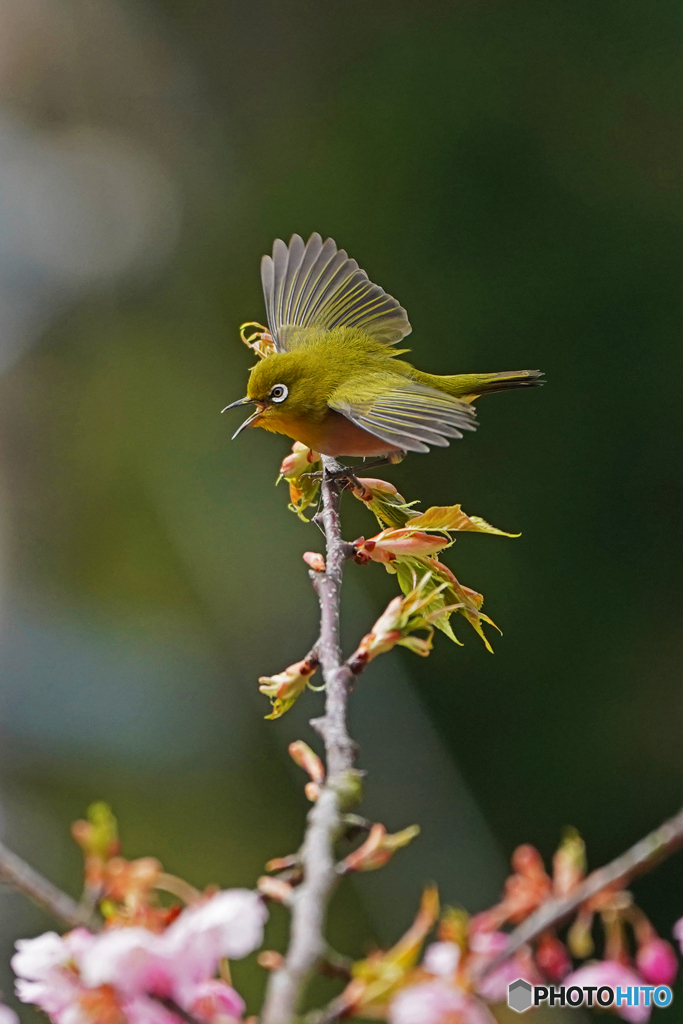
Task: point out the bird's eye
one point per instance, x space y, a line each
279 392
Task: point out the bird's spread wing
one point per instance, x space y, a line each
317 285
402 412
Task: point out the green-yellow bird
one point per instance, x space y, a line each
331 379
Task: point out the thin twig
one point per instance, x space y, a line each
646 853
22 877
26 880
307 947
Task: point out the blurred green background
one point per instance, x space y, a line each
512 172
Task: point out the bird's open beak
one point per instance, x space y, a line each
250 419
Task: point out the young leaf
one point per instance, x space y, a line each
452 517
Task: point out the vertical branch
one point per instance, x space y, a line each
309 907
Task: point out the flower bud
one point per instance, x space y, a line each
300 461
401 617
579 938
390 544
275 889
314 560
552 957
378 848
453 926
98 836
283 863
126 880
527 861
365 488
384 635
303 489
569 863
657 962
286 687
270 959
307 759
312 791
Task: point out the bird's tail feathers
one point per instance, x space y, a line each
469 386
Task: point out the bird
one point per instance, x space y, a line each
330 376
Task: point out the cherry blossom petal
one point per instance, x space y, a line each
236 916
442 959
36 958
130 960
612 974
436 1002
213 999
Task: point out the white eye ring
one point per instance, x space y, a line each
279 392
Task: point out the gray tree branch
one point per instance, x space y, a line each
307 946
22 877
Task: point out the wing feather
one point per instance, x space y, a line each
318 285
402 412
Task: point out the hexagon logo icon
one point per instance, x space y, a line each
519 995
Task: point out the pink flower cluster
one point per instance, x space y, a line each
450 991
612 974
109 978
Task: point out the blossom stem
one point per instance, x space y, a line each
641 857
307 946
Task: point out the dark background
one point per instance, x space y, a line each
512 172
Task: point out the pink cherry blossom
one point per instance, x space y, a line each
213 999
45 973
7 1016
436 1002
235 917
130 960
656 961
612 974
35 958
136 961
442 959
66 976
485 946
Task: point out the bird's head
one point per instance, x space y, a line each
284 387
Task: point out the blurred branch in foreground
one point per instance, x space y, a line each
641 857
